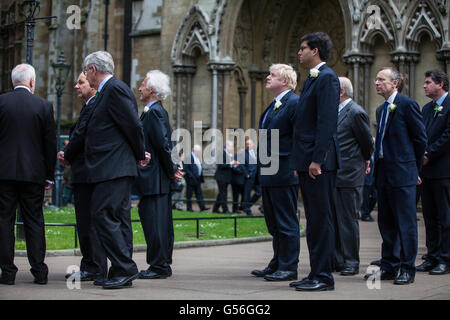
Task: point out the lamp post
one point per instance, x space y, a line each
61 69
29 9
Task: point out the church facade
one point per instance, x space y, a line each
218 52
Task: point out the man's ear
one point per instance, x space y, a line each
32 84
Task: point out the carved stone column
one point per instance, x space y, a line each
444 56
242 95
360 71
406 63
182 95
255 75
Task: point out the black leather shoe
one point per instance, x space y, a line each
367 218
382 275
84 275
349 271
425 266
339 268
39 280
441 268
149 274
315 285
299 283
281 276
376 263
7 279
404 278
204 209
119 282
262 273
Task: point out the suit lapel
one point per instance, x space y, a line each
344 112
392 114
275 111
445 104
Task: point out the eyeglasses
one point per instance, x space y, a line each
379 80
86 70
303 48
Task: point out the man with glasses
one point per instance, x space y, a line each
399 150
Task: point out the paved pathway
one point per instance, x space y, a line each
223 273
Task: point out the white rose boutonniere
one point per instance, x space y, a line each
314 73
392 107
277 105
146 109
438 109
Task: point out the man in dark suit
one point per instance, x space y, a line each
27 165
250 179
114 144
399 150
356 147
93 264
153 181
436 174
280 190
223 176
238 177
316 158
194 179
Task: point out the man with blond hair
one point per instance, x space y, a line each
27 166
280 190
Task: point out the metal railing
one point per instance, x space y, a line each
196 219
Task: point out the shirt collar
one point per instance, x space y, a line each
281 95
441 99
87 102
100 86
23 87
152 103
319 65
391 99
344 103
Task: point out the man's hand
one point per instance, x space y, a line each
419 181
61 160
295 173
178 175
145 162
426 159
367 171
235 163
48 185
314 170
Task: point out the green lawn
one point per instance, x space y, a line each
63 237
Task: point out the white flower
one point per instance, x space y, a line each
438 108
392 107
146 109
314 73
277 105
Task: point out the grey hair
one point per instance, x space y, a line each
160 82
197 147
22 73
102 60
346 84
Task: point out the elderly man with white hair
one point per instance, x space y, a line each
154 181
356 147
27 166
113 145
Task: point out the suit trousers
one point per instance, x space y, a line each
348 202
318 200
30 198
436 213
237 190
197 189
94 259
110 207
155 212
248 187
397 221
221 200
280 213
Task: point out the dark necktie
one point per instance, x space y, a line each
379 141
268 113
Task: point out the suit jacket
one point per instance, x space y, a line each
27 138
74 151
355 145
155 177
192 177
315 138
114 137
240 172
438 133
250 168
224 171
281 119
404 143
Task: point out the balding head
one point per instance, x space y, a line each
346 88
24 75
